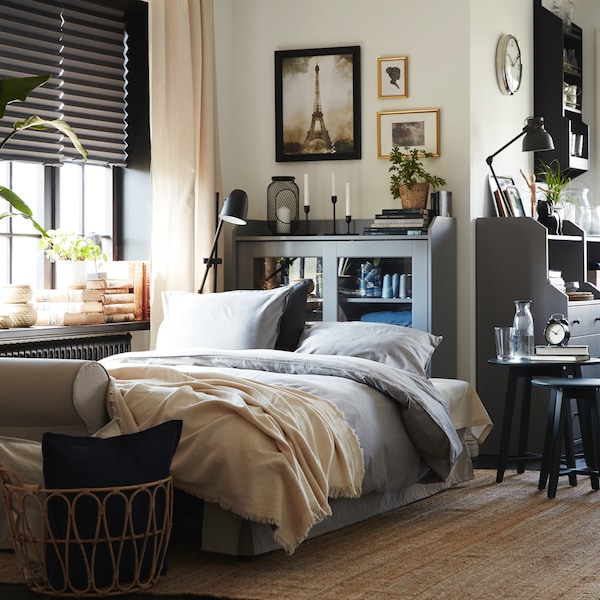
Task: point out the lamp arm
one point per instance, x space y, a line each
209 261
490 158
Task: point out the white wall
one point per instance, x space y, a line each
451 51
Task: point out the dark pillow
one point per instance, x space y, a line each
293 319
74 462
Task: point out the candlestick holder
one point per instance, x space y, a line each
348 221
306 211
333 202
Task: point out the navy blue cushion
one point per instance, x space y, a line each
293 319
89 462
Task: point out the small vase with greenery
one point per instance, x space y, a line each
65 245
17 89
555 179
408 171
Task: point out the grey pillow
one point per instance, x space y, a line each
237 320
401 347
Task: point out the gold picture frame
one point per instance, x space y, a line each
392 77
419 128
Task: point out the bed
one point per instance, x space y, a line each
294 429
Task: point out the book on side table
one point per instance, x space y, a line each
574 352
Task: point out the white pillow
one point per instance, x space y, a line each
236 320
401 347
25 458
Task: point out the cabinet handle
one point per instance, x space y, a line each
596 319
577 321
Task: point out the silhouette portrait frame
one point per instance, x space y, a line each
317 104
419 128
392 77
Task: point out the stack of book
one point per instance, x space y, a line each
400 221
118 303
562 353
555 278
69 307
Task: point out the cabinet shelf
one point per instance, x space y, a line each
558 60
337 264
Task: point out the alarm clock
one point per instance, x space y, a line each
557 331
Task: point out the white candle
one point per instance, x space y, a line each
348 213
333 183
283 219
306 197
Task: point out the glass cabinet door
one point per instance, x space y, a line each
375 289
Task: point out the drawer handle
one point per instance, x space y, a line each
577 322
596 319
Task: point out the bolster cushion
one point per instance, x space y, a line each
60 395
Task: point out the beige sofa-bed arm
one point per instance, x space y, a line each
44 394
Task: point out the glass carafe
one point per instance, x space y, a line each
523 342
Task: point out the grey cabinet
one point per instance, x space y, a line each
514 256
333 262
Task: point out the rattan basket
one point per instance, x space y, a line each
415 197
50 528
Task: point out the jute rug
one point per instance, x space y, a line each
479 540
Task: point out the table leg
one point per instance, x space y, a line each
524 427
555 450
509 408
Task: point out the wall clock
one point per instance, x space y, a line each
509 66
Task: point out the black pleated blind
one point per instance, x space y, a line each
82 44
93 62
30 45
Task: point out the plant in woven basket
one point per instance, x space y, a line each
17 89
408 171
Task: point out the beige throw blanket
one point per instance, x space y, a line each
269 454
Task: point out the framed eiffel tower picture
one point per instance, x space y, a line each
317 104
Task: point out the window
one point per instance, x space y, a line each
82 197
85 45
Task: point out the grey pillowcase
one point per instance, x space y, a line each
401 347
236 320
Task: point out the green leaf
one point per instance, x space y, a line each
35 122
21 207
17 89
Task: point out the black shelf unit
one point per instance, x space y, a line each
558 59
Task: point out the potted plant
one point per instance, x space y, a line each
409 180
555 179
17 89
70 251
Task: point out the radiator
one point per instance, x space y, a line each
84 348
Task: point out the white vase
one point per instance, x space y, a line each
70 274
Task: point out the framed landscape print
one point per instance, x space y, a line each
392 77
317 104
408 129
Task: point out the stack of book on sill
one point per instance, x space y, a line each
562 353
122 298
400 221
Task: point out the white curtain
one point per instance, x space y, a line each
185 171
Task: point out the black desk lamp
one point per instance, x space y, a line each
536 138
235 210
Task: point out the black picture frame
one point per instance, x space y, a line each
317 104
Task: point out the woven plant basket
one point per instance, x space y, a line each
416 197
89 542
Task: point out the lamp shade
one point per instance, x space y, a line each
235 208
536 137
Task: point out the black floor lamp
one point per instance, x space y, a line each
536 139
235 210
